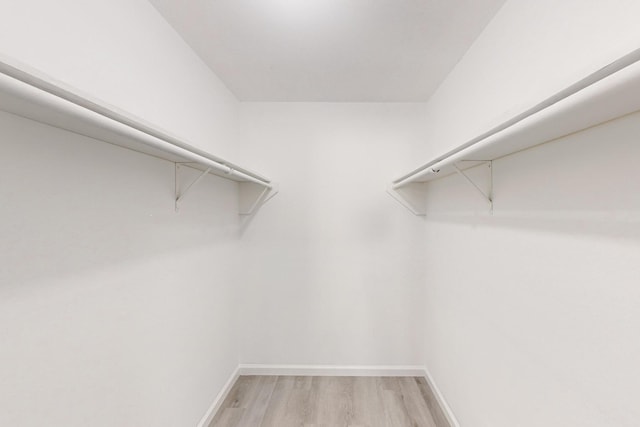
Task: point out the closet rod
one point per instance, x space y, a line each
159 139
604 72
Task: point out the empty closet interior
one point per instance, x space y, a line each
435 199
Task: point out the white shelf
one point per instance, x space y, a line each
32 94
607 94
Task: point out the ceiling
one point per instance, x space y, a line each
330 50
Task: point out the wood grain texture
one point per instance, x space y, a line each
287 401
435 409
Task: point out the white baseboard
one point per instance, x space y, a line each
444 406
333 370
217 402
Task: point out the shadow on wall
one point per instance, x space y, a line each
72 204
587 182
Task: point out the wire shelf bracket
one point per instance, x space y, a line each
251 196
411 196
486 194
32 94
605 94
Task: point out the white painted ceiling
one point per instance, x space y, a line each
330 50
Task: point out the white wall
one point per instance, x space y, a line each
331 265
528 52
125 53
532 314
117 314
111 313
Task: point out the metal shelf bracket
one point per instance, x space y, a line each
487 195
412 197
251 196
180 195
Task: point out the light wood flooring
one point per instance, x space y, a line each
278 401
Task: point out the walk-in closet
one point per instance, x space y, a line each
319 213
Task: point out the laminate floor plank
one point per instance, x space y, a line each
395 409
434 407
287 404
228 417
252 395
288 401
333 401
368 405
417 408
257 407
